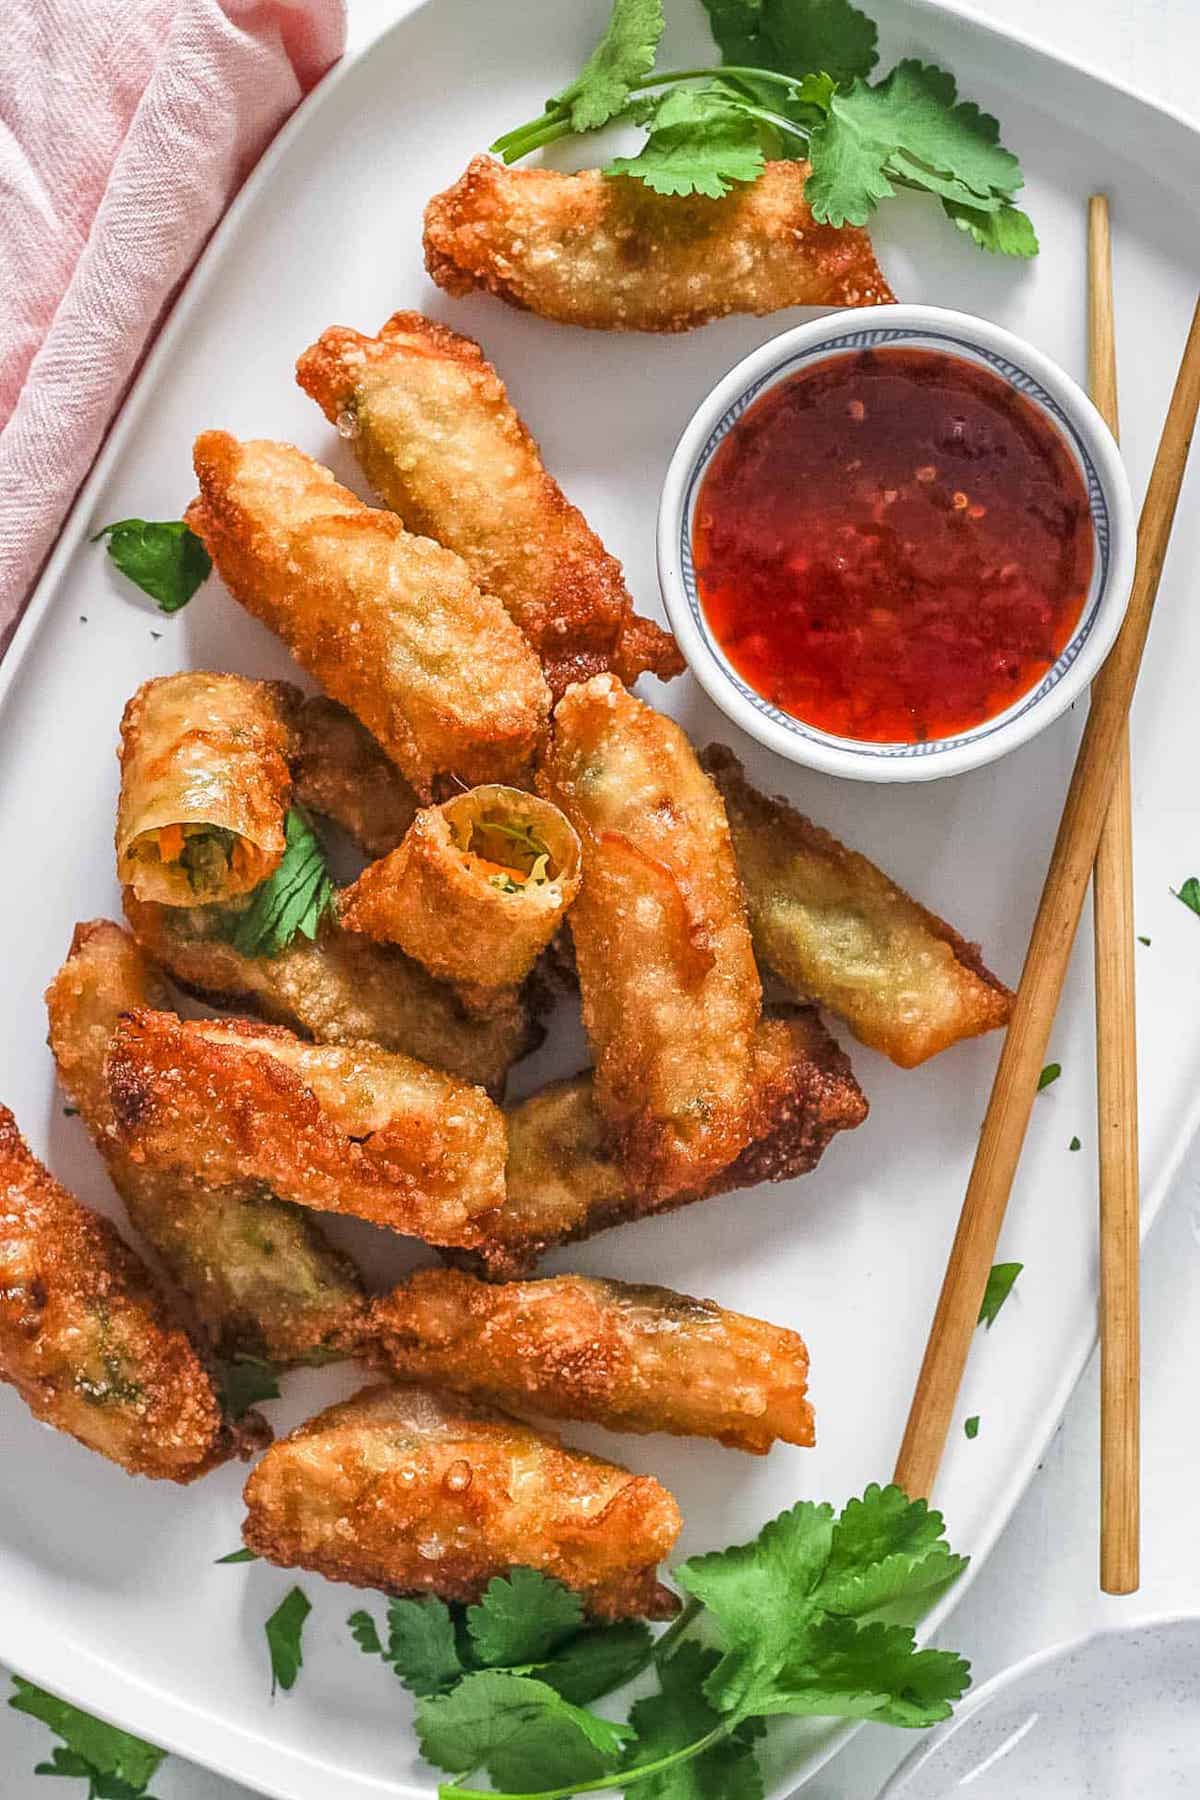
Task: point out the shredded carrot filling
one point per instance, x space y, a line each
170 843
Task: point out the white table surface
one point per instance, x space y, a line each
1040 1586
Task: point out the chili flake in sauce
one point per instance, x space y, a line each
893 545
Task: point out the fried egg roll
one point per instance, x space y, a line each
85 1338
259 1276
670 989
342 989
437 437
343 1129
475 892
339 771
621 1354
205 787
607 252
404 1490
565 1183
390 624
836 930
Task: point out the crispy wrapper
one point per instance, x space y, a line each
565 1183
346 1129
475 892
205 786
404 1490
342 989
257 1273
590 249
339 770
390 624
85 1338
670 988
836 930
629 1356
439 440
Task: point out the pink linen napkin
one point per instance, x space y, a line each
126 126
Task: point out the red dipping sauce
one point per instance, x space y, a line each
893 545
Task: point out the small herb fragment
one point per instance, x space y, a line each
115 1764
1074 1144
244 1381
161 556
1049 1074
999 1287
291 903
1144 940
284 1629
239 1556
1189 893
971 1426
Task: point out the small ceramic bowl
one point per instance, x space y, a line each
1036 377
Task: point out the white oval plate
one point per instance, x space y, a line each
1056 1727
107 1587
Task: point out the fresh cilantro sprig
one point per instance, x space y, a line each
115 1764
245 1380
793 82
504 1687
284 1632
291 903
163 557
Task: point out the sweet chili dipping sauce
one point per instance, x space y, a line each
893 545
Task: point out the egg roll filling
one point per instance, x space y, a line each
205 853
508 854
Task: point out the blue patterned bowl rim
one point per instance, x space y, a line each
868 338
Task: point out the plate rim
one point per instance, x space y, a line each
107 1690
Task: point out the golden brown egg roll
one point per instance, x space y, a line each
347 1129
475 892
257 1272
608 252
565 1182
670 989
390 624
342 989
616 1353
339 771
836 930
437 437
205 786
85 1338
404 1490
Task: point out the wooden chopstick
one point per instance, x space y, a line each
1116 1058
1023 1053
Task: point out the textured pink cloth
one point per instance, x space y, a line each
125 128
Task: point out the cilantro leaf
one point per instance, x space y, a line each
91 1749
522 1617
239 1556
520 1731
597 1661
1049 1075
163 557
291 903
624 54
245 1380
999 1286
870 1671
1074 1144
422 1644
971 1426
284 1629
701 141
365 1633
678 1716
795 37
1189 893
912 128
760 1593
885 1549
1006 231
1143 940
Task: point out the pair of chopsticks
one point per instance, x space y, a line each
1092 830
